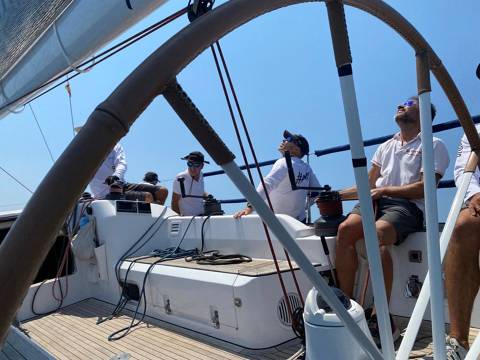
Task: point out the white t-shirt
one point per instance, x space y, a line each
463 153
284 199
401 163
114 165
190 206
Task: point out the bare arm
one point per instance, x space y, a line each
351 192
175 201
410 191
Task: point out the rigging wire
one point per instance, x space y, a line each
252 149
93 61
239 110
41 133
16 180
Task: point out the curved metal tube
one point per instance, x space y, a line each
32 235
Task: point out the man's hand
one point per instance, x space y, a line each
243 212
111 179
378 193
474 205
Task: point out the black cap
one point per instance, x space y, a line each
478 71
195 157
151 177
298 140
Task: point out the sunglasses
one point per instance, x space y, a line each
409 103
194 165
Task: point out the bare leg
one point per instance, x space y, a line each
148 197
387 236
161 195
462 274
346 262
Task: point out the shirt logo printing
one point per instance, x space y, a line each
301 177
459 151
412 152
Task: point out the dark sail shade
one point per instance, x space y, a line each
22 22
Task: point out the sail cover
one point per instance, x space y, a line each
21 23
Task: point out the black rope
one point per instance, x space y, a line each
167 254
298 326
41 133
215 258
61 265
203 233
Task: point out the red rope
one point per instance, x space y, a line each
267 233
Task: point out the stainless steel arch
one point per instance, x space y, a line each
28 242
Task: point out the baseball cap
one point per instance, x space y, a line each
195 157
298 140
151 177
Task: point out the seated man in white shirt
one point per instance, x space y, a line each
284 199
194 185
396 181
462 274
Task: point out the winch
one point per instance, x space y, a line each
212 206
329 203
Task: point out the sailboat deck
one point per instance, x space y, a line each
72 333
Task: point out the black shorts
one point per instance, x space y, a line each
137 191
404 215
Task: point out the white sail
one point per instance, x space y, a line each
84 27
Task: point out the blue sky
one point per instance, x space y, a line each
284 71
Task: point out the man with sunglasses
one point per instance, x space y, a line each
284 199
462 273
396 183
194 185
